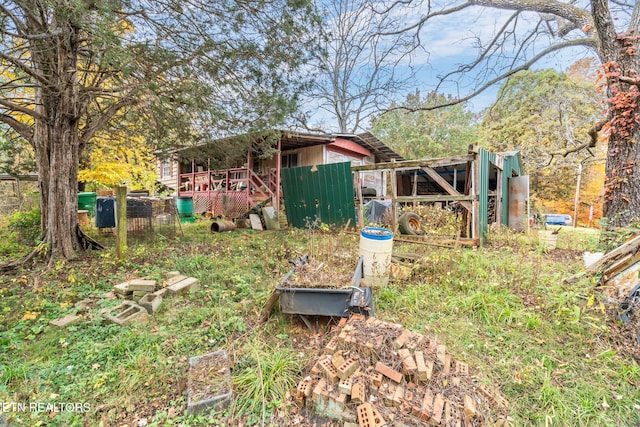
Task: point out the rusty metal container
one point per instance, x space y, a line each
219 226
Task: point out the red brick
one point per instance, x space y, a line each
470 410
331 346
427 403
357 317
329 370
423 373
319 394
446 367
348 367
337 358
438 407
375 378
304 388
369 416
461 368
402 339
408 364
398 396
358 392
388 372
344 386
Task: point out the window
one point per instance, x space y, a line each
289 160
165 168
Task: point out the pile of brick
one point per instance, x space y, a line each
149 294
375 373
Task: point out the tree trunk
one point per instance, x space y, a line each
622 186
56 142
619 55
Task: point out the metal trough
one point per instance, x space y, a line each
327 301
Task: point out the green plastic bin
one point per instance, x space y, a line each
185 208
87 201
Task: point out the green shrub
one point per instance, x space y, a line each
26 225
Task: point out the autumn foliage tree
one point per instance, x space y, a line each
547 116
192 69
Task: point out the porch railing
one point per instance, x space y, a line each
227 192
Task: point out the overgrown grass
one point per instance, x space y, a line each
504 309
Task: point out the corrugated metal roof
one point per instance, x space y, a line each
291 140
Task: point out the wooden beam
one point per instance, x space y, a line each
436 198
445 185
394 197
414 164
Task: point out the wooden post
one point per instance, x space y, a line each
394 194
276 205
358 187
121 221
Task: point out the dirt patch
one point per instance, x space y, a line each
318 274
563 255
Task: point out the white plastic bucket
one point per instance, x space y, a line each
376 245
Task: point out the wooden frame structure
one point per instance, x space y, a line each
477 182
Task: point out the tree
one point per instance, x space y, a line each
191 69
118 159
531 31
414 133
359 69
547 116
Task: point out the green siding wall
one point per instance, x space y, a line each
326 195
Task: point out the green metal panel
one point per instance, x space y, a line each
484 160
325 195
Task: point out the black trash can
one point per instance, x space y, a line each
105 212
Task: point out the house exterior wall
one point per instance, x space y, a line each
167 169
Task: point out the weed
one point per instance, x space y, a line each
263 379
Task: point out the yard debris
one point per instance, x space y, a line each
389 375
149 294
209 382
65 321
125 313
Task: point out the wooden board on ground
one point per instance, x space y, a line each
256 224
270 218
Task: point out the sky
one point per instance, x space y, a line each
450 41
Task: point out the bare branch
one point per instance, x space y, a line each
580 17
593 140
21 129
629 80
523 67
19 24
23 66
17 107
93 126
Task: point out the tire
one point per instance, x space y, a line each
369 192
410 223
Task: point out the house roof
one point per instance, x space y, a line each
291 140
